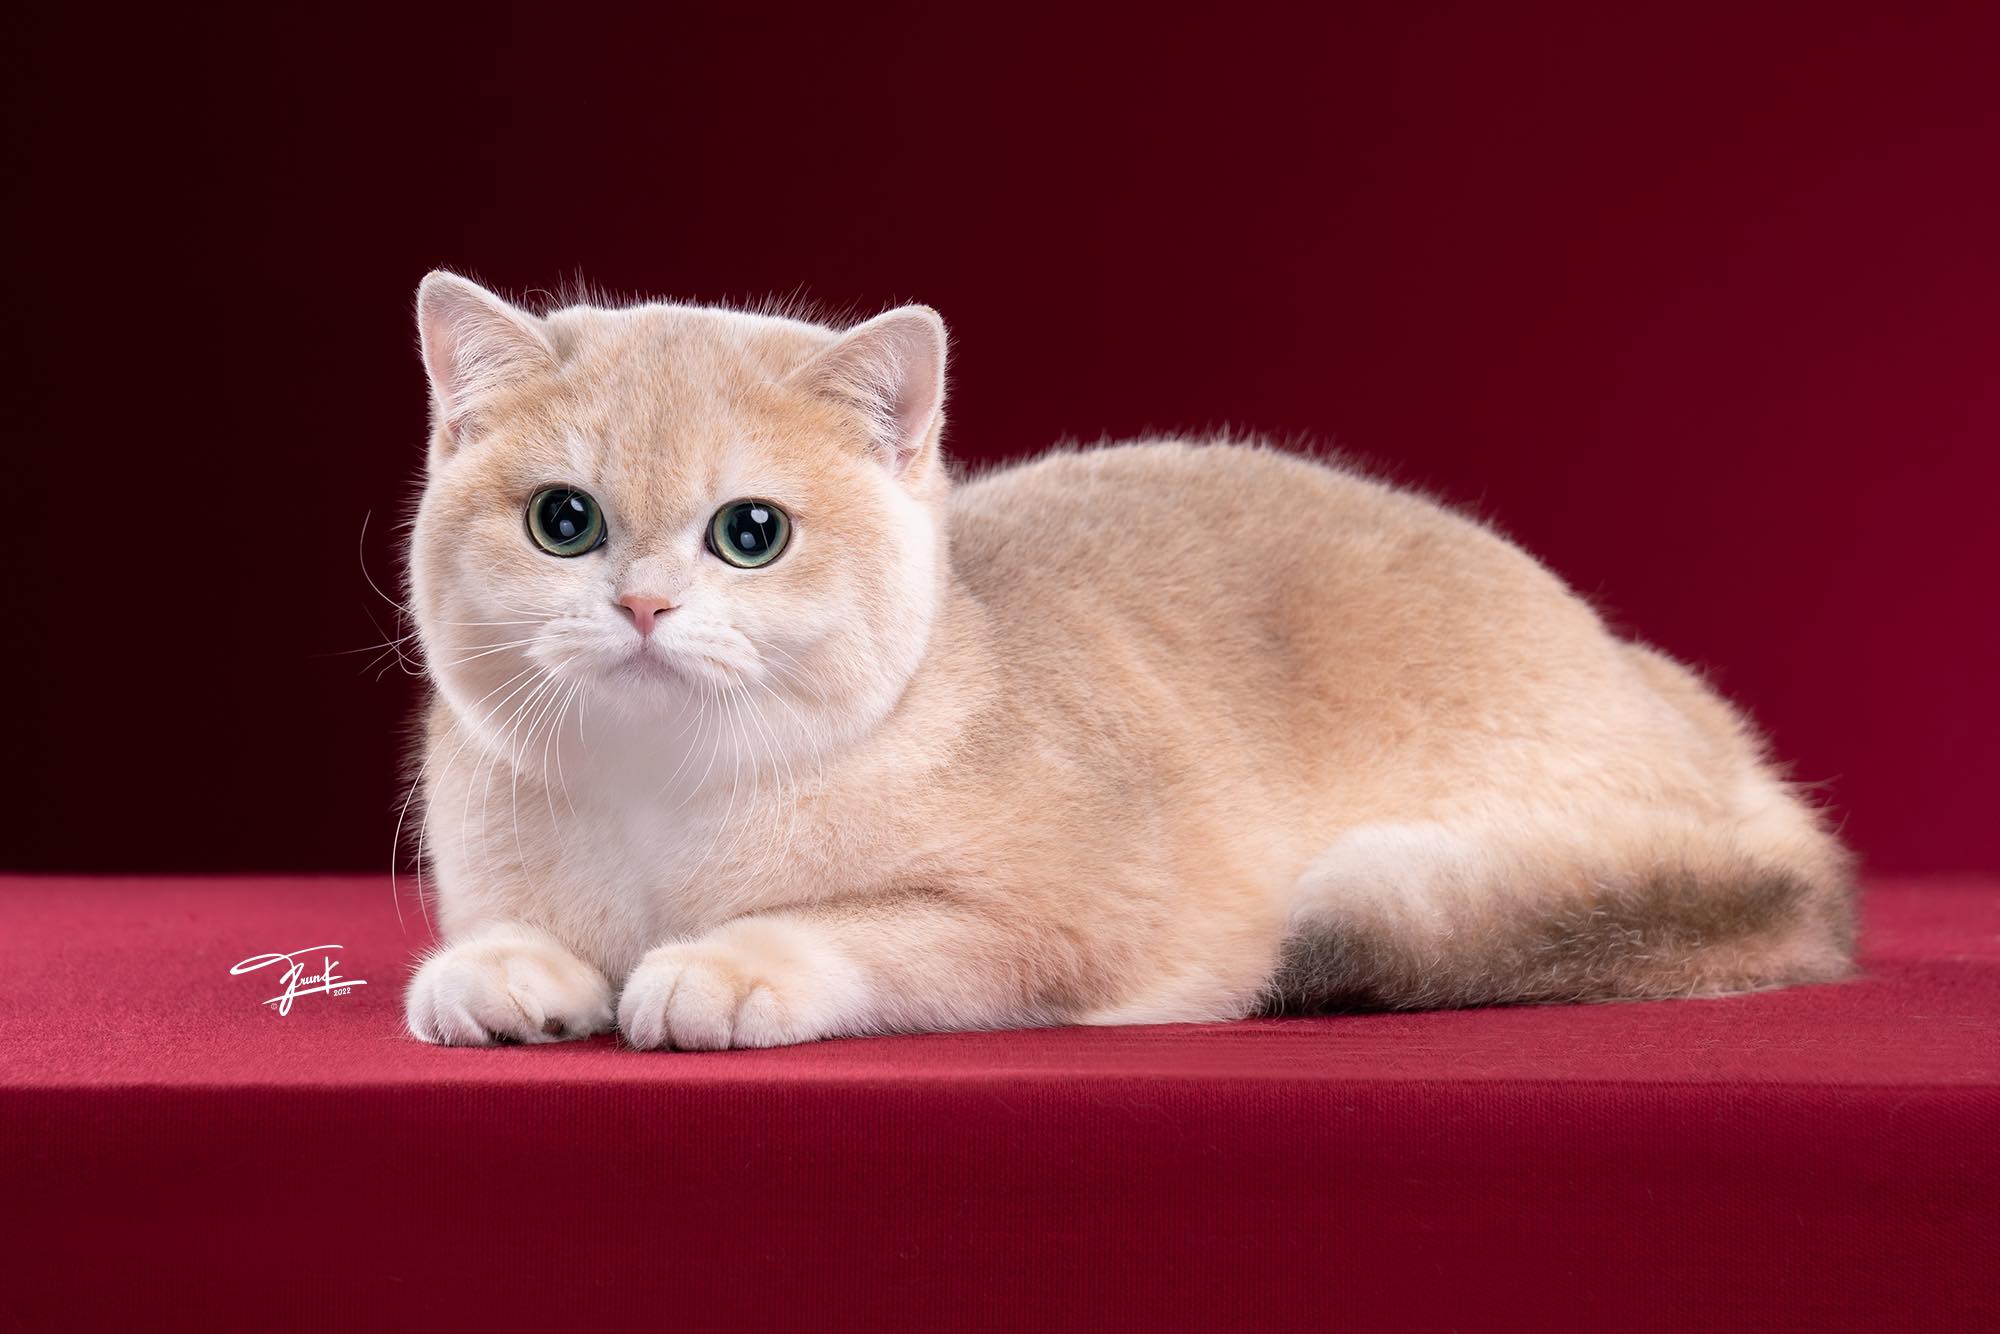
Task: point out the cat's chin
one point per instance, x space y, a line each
643 692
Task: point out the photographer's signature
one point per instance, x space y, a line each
297 981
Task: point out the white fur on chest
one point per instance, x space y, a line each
614 861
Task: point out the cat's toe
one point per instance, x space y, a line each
752 983
481 993
677 998
704 998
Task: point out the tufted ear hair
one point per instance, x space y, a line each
474 344
891 370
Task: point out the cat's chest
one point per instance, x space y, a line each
648 871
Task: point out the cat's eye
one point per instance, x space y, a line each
749 533
564 521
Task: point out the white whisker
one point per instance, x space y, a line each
396 846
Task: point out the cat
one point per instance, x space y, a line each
754 725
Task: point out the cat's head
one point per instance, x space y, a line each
703 524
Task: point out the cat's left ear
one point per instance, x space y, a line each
891 369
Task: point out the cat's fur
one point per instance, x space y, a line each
1158 732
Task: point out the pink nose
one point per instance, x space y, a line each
644 611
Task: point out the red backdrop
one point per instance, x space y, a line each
1699 303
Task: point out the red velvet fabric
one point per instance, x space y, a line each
176 1154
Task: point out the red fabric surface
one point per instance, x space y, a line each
175 1154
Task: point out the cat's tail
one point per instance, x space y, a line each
1515 905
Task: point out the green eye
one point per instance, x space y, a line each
749 533
565 521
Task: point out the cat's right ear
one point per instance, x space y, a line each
474 345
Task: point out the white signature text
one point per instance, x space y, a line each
297 981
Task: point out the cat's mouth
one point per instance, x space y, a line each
646 661
656 665
660 661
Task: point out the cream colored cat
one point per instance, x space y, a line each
753 727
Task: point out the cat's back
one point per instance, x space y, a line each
1213 602
1211 533
1110 510
1322 612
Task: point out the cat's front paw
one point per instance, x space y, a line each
758 982
511 988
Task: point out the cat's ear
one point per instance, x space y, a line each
474 344
891 369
